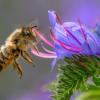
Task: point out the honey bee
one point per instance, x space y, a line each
16 46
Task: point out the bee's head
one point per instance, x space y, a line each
29 33
30 36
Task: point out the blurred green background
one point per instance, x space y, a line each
16 13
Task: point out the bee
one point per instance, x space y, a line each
16 46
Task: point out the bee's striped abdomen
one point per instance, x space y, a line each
5 57
1 64
2 60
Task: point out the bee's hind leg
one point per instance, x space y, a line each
18 68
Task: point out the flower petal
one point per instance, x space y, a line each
52 18
67 31
70 48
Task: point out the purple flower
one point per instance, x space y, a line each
69 38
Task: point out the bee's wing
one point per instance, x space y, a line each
34 22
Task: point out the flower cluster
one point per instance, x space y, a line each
80 48
69 39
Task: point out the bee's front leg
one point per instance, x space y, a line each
18 68
27 56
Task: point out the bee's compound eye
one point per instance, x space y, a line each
35 27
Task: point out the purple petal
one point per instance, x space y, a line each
67 31
52 18
65 45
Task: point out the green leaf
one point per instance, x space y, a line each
73 76
96 80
